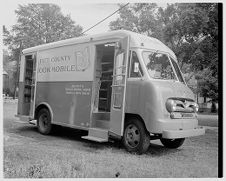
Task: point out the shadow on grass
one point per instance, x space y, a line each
160 150
70 134
61 133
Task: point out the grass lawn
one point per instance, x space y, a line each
28 154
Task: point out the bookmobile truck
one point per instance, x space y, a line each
118 85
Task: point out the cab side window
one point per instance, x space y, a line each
134 63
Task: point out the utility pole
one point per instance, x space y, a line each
17 71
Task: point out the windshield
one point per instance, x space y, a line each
158 65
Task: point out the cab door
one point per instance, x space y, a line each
117 113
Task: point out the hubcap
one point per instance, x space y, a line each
132 136
43 121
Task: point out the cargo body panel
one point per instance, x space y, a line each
70 101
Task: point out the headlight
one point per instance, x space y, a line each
171 105
195 107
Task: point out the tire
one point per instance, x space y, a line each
172 143
44 121
135 138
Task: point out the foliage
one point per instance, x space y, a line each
37 24
138 18
190 30
10 67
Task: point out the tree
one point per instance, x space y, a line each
140 18
38 24
190 30
208 77
10 67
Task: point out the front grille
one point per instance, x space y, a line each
184 106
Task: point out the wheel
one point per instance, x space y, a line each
172 143
44 121
135 139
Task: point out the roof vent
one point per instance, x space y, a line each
142 44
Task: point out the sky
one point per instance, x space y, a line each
84 14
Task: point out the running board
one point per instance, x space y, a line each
97 134
92 138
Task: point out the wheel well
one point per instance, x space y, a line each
39 108
130 115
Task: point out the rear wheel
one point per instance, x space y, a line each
172 143
136 139
44 121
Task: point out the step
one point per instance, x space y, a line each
92 138
104 124
106 63
106 81
101 116
98 132
107 71
103 98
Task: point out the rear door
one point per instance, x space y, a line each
119 86
33 85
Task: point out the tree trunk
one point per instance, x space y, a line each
213 107
17 72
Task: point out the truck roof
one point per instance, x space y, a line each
136 40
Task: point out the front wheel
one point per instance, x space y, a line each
44 121
136 139
172 143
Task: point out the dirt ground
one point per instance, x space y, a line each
28 154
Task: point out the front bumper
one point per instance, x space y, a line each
172 134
